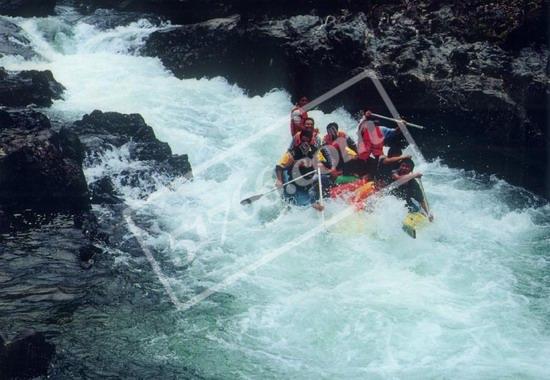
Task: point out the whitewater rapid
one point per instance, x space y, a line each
470 298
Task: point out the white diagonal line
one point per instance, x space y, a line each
220 157
265 259
395 114
138 233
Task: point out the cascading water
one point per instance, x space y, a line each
468 299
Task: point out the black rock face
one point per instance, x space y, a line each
103 192
102 131
475 71
28 87
192 11
27 8
301 53
35 171
27 356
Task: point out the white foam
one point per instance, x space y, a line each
361 301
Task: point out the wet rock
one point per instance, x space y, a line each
104 19
100 132
459 59
13 42
4 222
87 254
28 87
293 53
192 11
72 146
430 55
27 356
27 8
35 171
103 192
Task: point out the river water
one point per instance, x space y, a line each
470 298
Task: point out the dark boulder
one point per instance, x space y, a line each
104 19
13 42
35 171
28 87
294 53
87 254
4 222
101 132
27 356
192 11
72 146
103 192
27 8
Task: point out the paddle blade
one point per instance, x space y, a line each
254 198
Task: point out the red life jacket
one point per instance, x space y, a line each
340 191
355 192
297 127
370 144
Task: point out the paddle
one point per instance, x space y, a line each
254 198
398 121
425 198
321 202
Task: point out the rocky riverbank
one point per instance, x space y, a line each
481 70
476 73
56 230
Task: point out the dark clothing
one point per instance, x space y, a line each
409 192
384 171
360 167
328 152
351 144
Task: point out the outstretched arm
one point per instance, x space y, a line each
392 160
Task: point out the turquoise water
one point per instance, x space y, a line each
468 299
